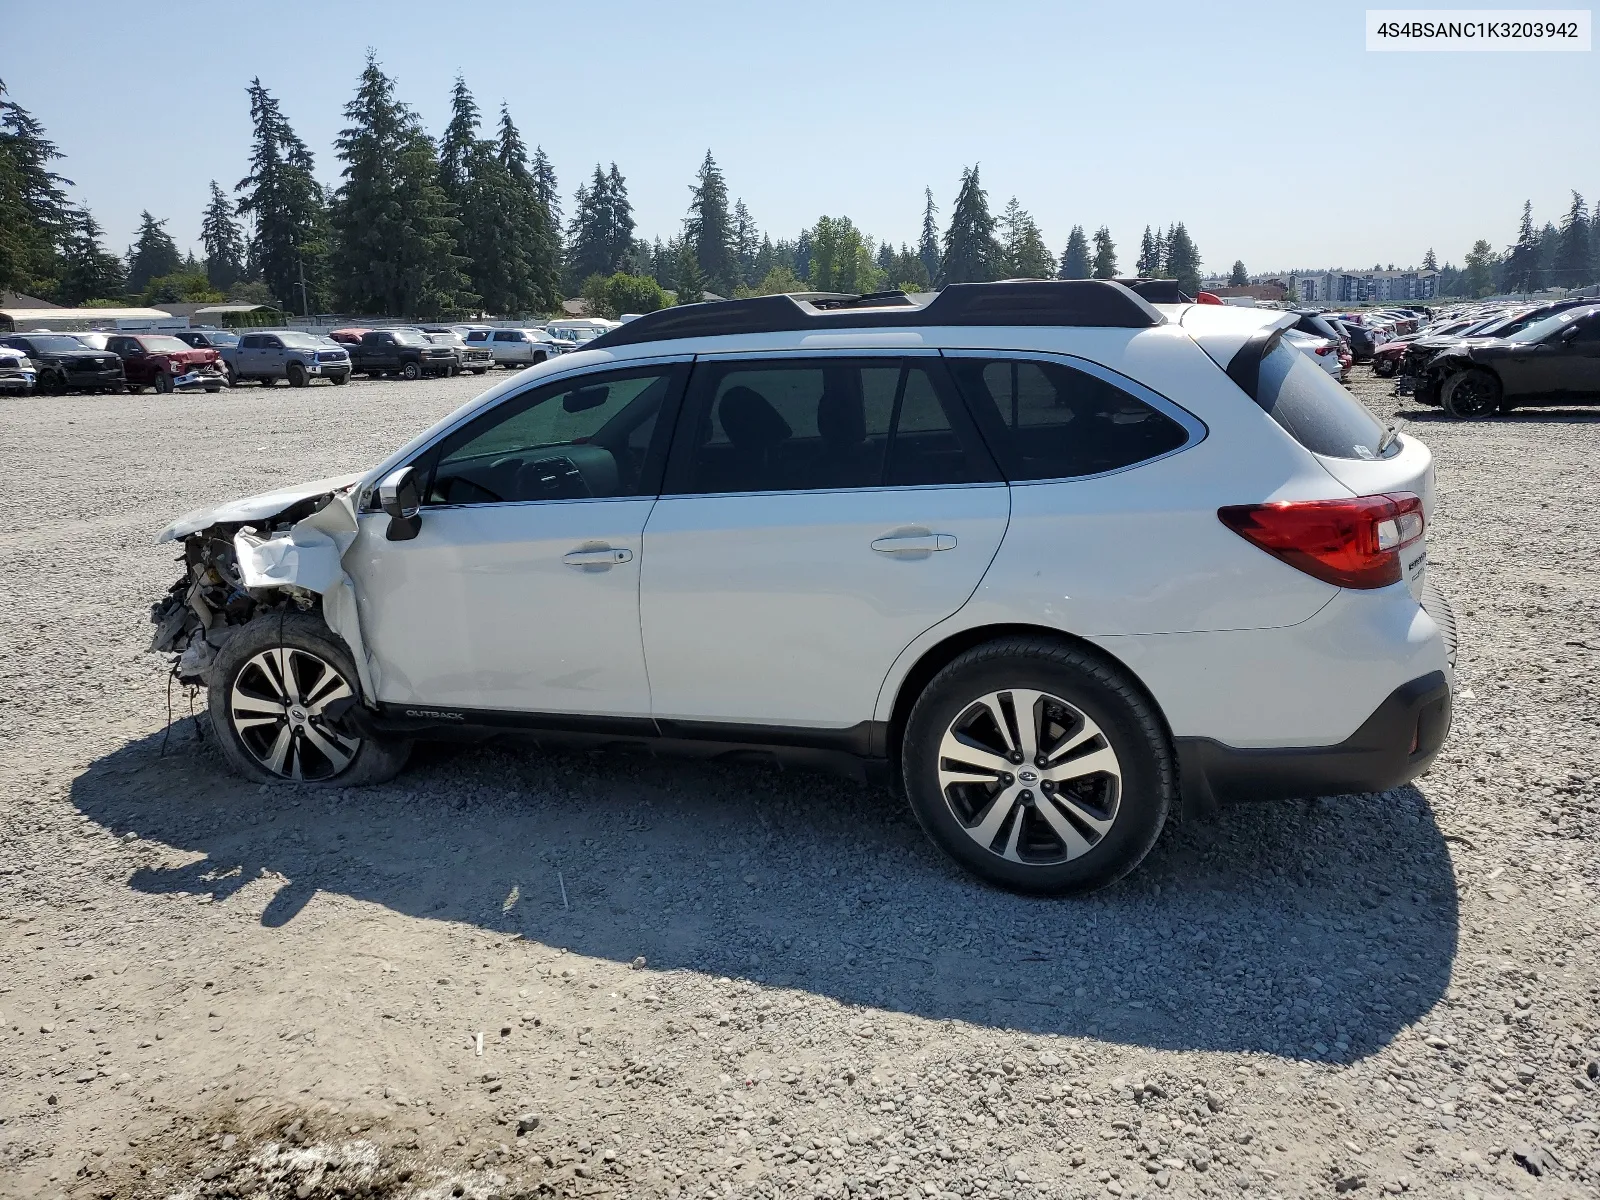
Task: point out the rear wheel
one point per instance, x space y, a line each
280 694
1471 394
297 375
411 371
1038 767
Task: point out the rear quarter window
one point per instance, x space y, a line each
1314 410
1047 420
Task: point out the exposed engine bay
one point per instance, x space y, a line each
279 552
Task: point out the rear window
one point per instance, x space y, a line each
1314 410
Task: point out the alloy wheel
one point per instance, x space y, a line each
1030 777
1474 397
279 705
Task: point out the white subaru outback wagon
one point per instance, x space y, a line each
1057 557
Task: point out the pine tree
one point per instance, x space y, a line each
1149 264
533 216
589 231
619 220
1105 254
289 239
1023 254
1430 261
971 254
1164 252
1573 265
35 217
1183 260
800 249
708 227
928 244
690 284
1238 277
1478 278
152 255
766 259
1522 259
746 244
1075 258
224 244
395 252
493 236
88 270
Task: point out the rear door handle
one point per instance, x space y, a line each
916 543
604 557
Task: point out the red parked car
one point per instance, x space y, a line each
161 361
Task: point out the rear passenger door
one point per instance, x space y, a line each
820 511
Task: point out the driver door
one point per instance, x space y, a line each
520 592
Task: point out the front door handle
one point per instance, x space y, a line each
605 556
914 543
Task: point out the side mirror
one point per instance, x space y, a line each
398 496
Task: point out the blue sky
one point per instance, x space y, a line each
1267 128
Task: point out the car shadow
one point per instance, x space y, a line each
1517 416
1303 929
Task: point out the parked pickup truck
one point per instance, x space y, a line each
163 362
516 347
269 356
404 352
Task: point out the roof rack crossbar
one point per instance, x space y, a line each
1099 303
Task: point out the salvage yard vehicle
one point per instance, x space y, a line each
300 358
1056 559
166 364
476 358
64 364
207 339
1555 360
17 376
404 352
516 347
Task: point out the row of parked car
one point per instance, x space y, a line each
1477 360
210 359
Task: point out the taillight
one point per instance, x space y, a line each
1324 350
1354 543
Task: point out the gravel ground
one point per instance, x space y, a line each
517 973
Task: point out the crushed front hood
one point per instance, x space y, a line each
253 508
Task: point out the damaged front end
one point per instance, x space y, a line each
280 552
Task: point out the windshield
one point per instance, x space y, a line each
1553 324
222 339
445 339
56 344
300 341
164 345
408 337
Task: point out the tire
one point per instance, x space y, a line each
1471 395
480 371
339 379
229 374
1079 705
258 722
1385 367
297 375
539 358
455 370
1437 605
163 383
411 372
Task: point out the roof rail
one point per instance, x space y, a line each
1082 302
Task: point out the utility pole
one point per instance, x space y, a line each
305 301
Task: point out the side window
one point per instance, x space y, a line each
820 423
503 336
1588 332
271 343
1046 420
590 437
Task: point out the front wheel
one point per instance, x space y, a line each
297 376
1038 767
1385 367
163 383
230 374
339 378
280 695
411 372
1471 395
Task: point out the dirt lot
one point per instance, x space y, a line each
517 973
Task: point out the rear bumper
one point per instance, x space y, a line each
1393 746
